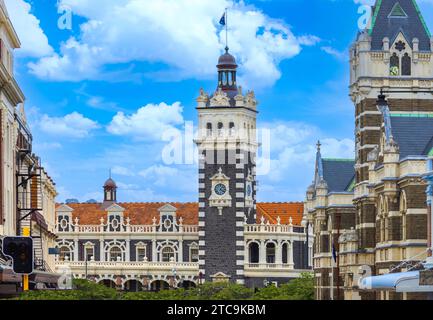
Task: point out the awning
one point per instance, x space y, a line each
39 219
399 282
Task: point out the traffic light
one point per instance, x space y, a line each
20 249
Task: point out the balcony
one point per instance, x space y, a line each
128 268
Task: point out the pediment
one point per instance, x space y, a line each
167 208
220 276
64 208
220 176
115 208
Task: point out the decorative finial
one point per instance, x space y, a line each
220 171
291 221
227 49
110 173
319 145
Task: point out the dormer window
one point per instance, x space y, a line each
397 12
168 218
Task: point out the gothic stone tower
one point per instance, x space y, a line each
227 174
394 54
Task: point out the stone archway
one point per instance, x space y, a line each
133 285
108 283
159 285
187 285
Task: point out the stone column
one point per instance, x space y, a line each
76 250
279 253
262 255
180 253
247 254
101 250
154 254
128 250
290 255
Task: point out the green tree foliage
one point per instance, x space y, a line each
297 289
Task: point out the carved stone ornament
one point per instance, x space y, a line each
250 99
220 99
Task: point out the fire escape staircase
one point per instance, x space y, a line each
29 203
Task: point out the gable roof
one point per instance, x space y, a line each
143 213
414 134
384 24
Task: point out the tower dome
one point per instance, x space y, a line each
227 61
110 192
227 67
110 183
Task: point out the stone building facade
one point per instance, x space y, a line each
153 246
391 83
27 193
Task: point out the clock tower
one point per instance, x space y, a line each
227 174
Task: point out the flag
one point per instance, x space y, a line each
223 20
334 253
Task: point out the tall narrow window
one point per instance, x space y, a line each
232 128
220 129
406 65
209 129
394 69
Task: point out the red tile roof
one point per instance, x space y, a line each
271 212
143 213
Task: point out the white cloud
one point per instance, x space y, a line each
172 178
73 125
182 34
149 122
122 171
293 153
335 53
34 42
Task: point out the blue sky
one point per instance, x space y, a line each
100 95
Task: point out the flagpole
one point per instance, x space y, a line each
227 29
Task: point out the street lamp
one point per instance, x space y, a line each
174 272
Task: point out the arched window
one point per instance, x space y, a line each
220 128
167 254
406 65
65 254
232 128
394 69
209 129
270 252
254 252
116 254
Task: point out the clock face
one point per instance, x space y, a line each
394 71
220 189
249 190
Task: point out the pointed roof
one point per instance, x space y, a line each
337 173
413 133
394 16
